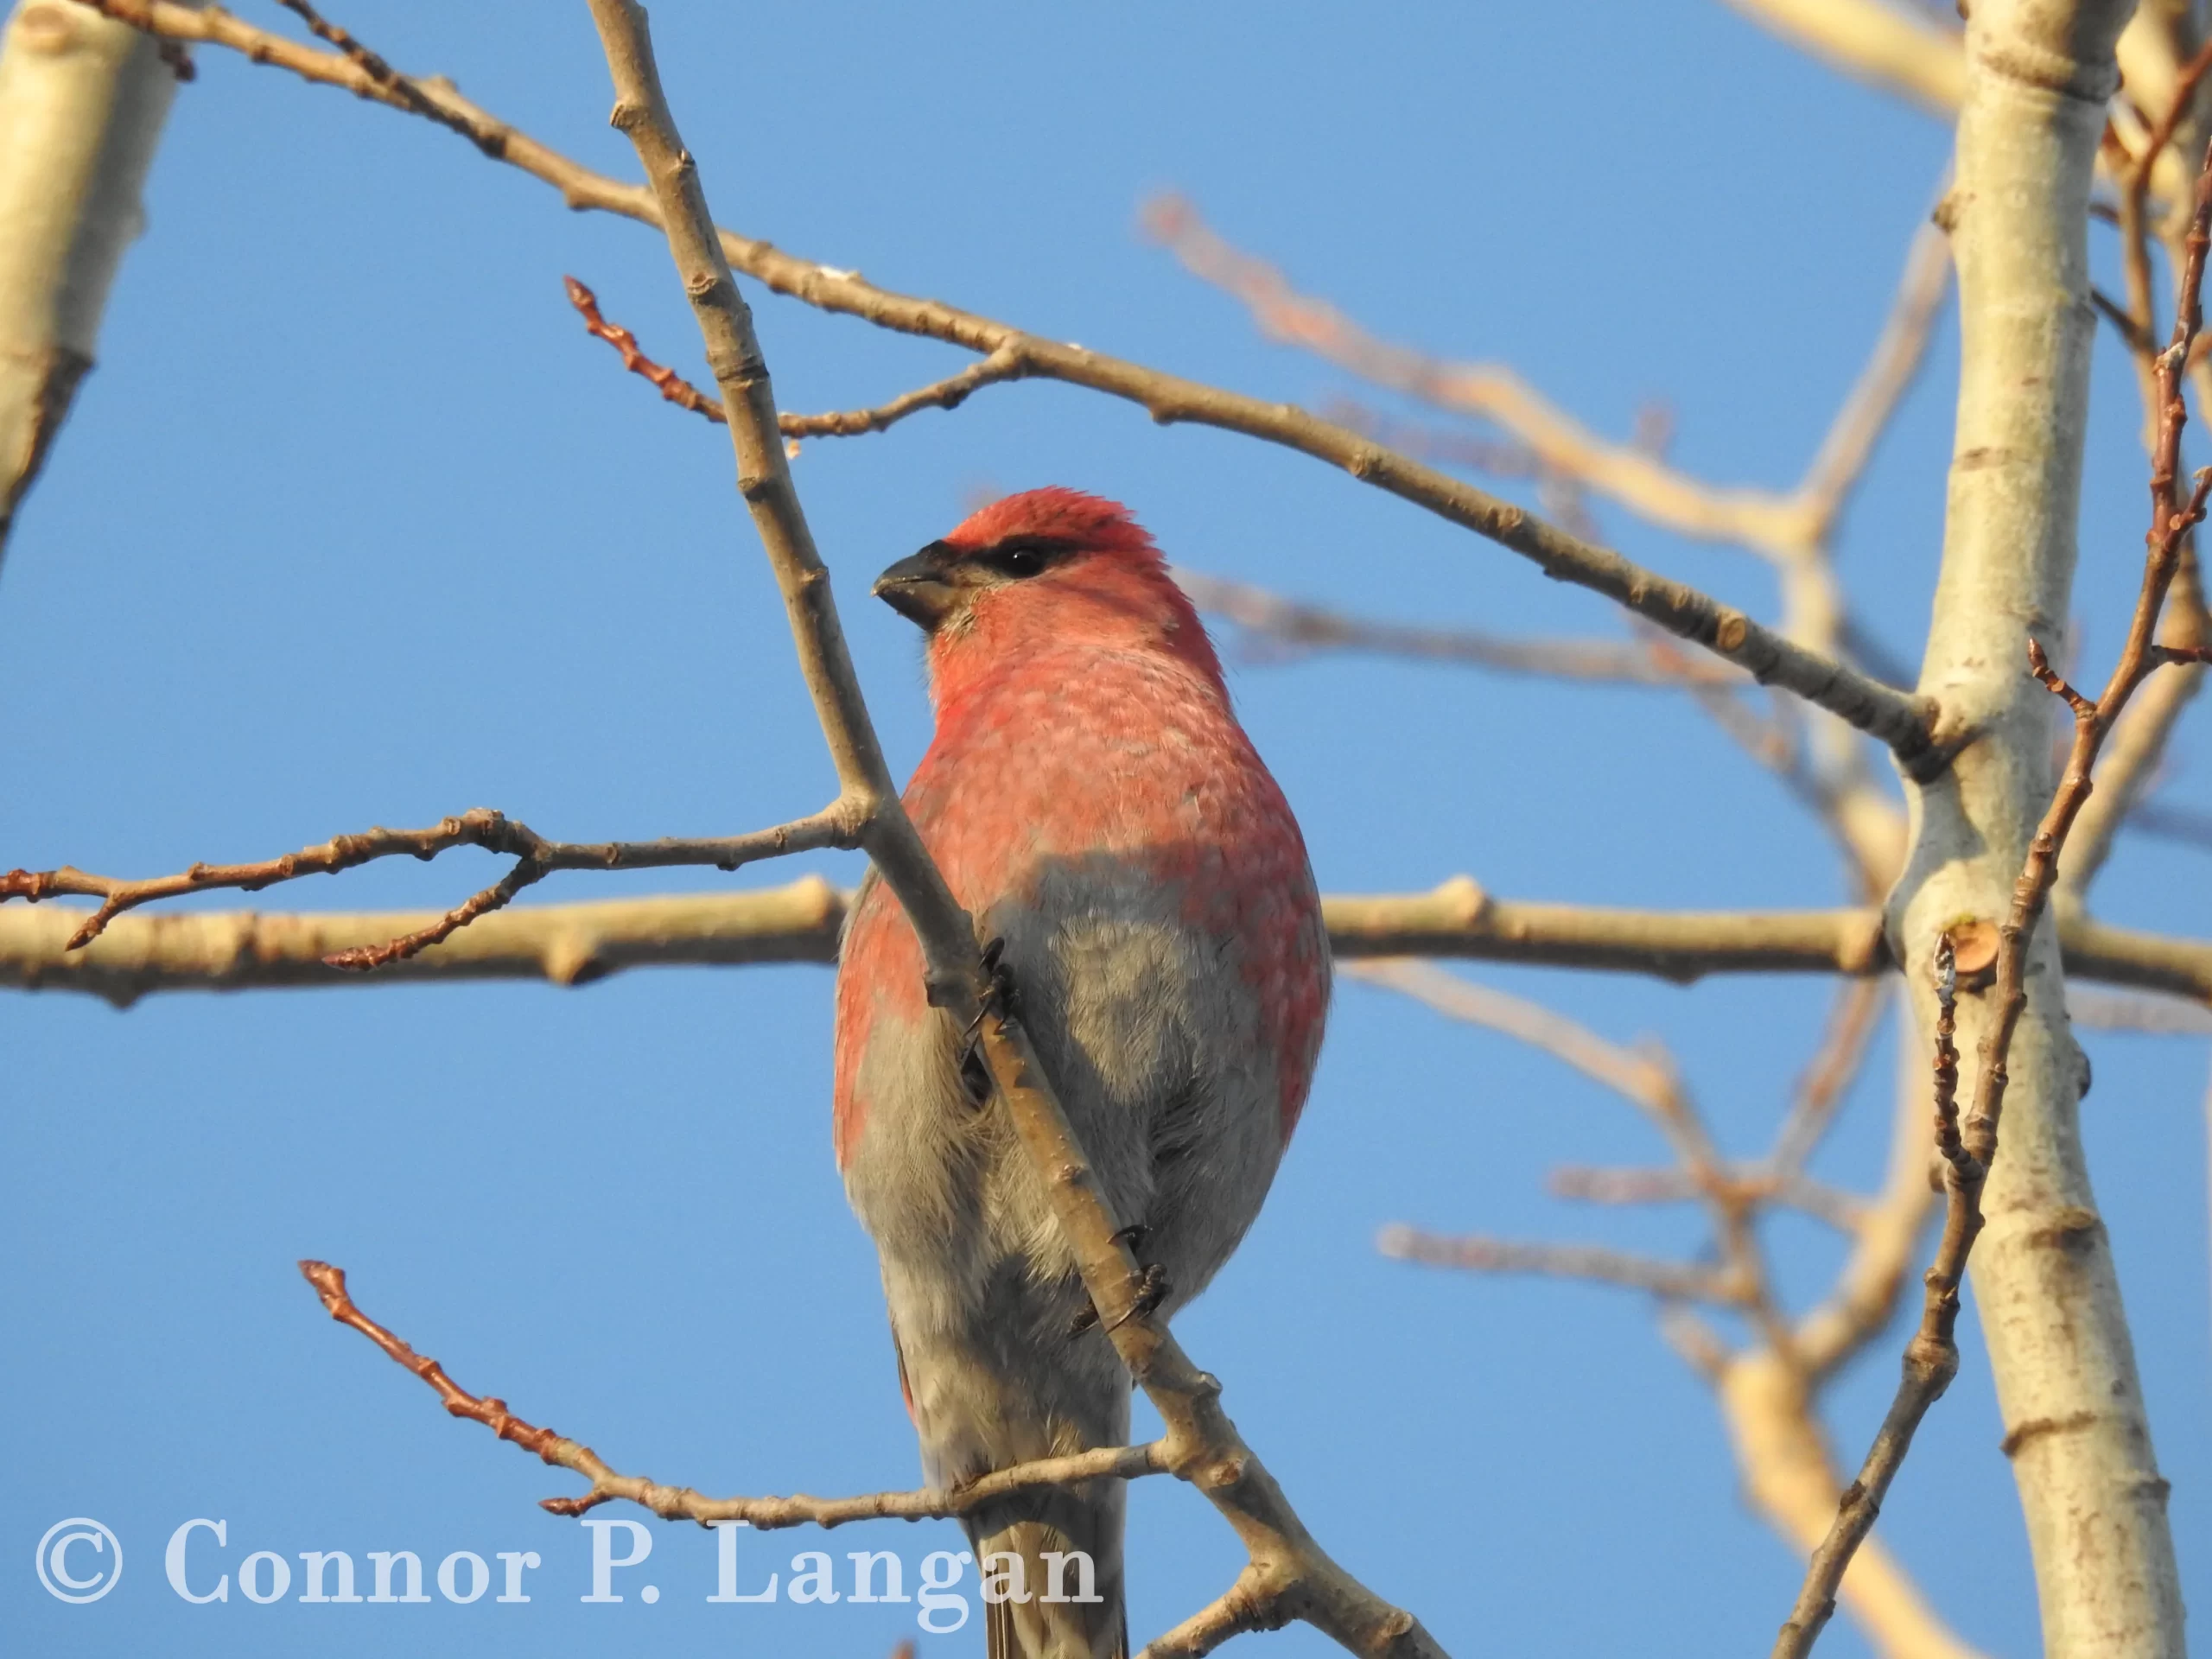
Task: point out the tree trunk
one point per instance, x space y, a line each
82 100
2039 74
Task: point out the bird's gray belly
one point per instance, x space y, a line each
1151 1034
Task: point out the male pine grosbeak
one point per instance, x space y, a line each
1095 805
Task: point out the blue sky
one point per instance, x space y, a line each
353 525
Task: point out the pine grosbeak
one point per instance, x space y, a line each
1093 802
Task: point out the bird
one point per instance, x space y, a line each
1097 809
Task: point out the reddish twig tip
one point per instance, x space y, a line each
673 386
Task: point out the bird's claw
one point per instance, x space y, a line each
1153 1289
1000 992
998 996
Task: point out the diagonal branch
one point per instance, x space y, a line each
1674 1281
1851 1024
1291 626
2138 741
1628 473
1903 721
1293 1577
1644 1079
682 1503
1792 531
1786 526
1840 461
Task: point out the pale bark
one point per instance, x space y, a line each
572 944
82 100
2039 72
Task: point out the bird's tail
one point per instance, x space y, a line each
1063 1584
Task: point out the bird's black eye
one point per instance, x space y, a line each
1016 562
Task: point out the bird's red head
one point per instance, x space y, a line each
1040 572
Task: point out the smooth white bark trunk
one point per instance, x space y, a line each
2038 74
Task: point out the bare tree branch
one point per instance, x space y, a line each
1841 460
1628 473
682 1503
1753 1183
1644 1078
1668 1279
1779 525
2124 1011
536 857
1828 771
1851 1024
1289 627
2138 742
1557 493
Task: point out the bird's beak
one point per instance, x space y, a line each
916 588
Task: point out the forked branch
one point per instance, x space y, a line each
948 393
535 858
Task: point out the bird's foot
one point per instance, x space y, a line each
1153 1289
1000 996
974 1070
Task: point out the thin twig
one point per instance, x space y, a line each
1868 408
396 86
1852 1024
948 393
1290 626
2132 1011
682 1503
1558 492
2191 826
1749 1184
495 832
1673 1280
671 385
1640 1077
2140 740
